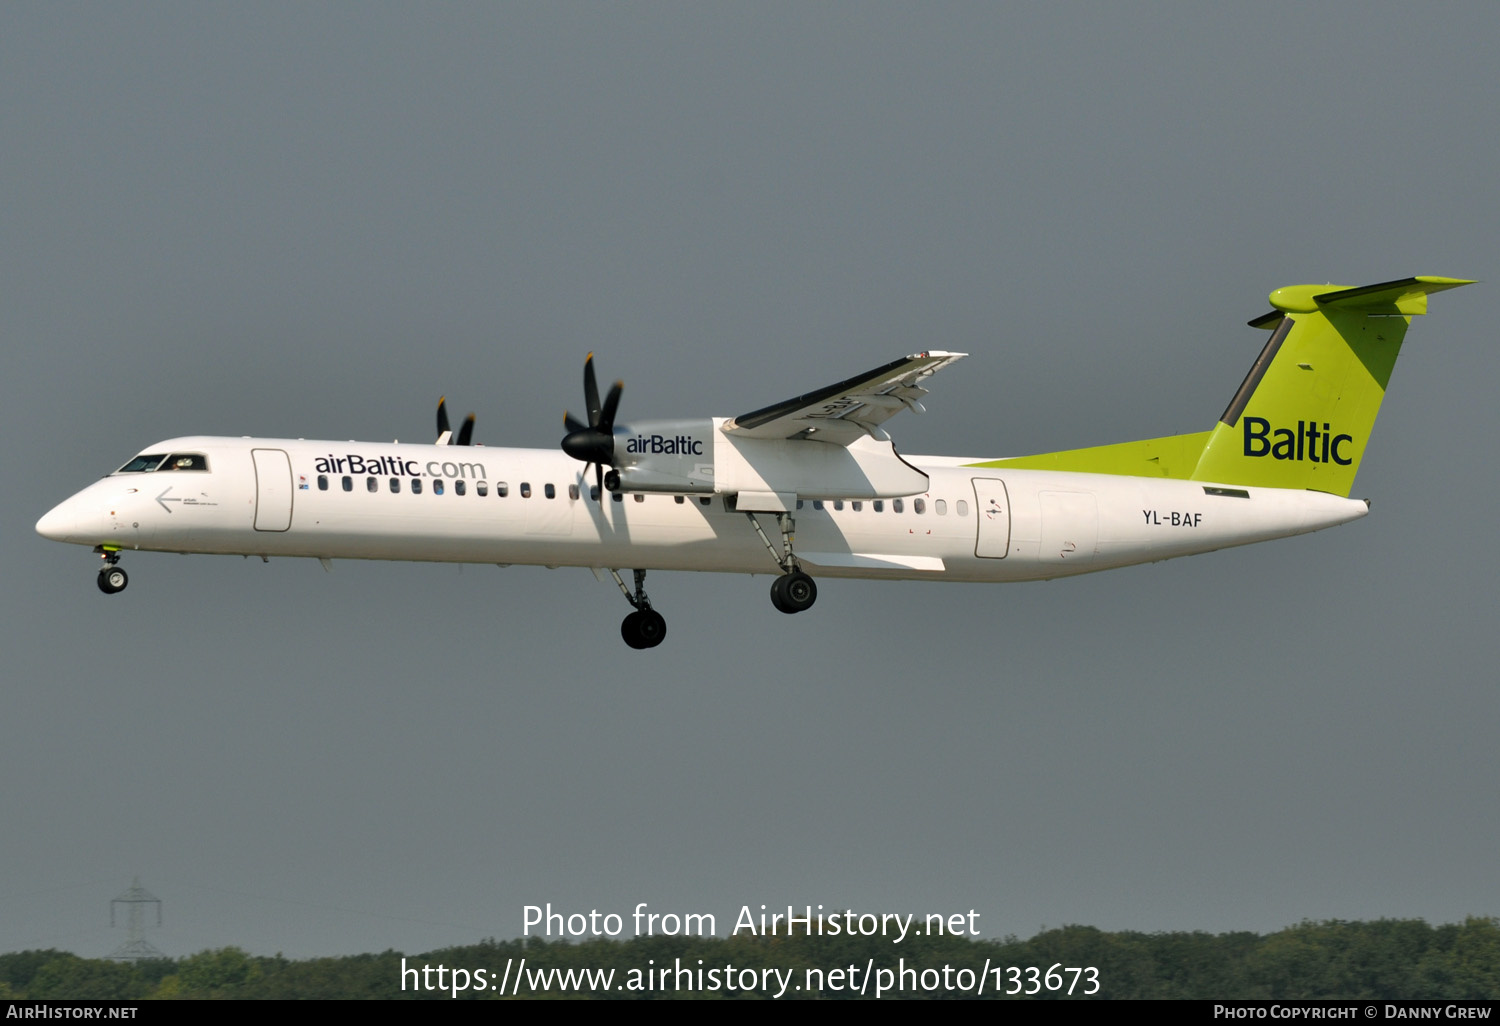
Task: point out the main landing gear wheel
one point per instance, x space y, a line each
793 592
112 579
645 628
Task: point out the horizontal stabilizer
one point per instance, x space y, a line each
1406 296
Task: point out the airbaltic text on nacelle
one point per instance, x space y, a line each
806 920
666 445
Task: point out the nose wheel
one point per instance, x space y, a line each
112 579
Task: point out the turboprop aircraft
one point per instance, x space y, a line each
809 485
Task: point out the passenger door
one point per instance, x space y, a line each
992 503
273 489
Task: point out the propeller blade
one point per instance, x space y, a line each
606 422
590 391
466 433
444 430
593 443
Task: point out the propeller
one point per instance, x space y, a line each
594 442
445 431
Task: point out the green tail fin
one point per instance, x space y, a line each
1303 415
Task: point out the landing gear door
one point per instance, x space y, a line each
273 489
993 506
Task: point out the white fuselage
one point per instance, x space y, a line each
358 500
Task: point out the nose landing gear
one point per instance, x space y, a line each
112 577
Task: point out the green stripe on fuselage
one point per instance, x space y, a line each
1175 456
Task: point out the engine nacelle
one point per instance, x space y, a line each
695 457
675 456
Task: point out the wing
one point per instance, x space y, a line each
849 410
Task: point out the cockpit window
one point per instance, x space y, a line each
149 461
185 461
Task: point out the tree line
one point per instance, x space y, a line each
1383 959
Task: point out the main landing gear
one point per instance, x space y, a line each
793 591
644 628
112 577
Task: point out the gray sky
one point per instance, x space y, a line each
297 220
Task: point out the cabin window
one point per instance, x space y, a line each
639 497
549 491
322 482
879 505
919 506
525 489
677 499
416 486
348 483
459 488
941 506
838 504
704 500
572 491
897 506
618 496
395 485
799 503
594 492
437 487
963 508
501 489
818 505
481 489
371 484
856 505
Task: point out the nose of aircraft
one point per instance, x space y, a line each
59 523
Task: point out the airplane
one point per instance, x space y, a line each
811 485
